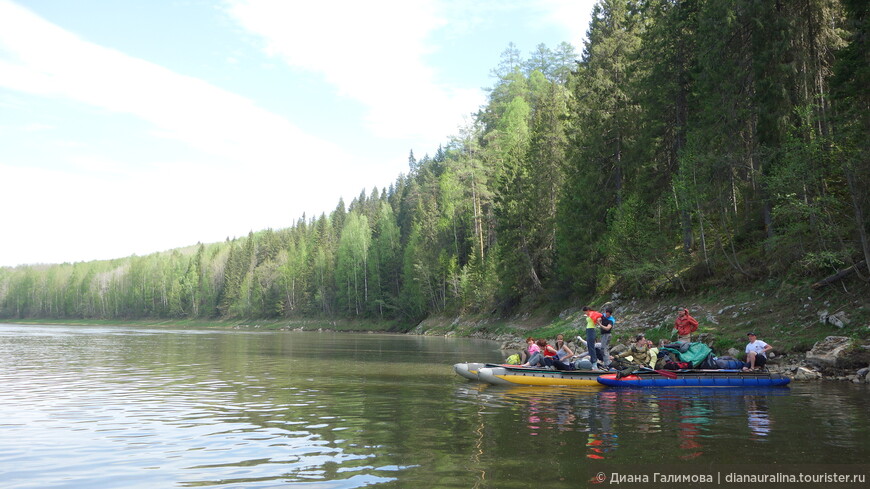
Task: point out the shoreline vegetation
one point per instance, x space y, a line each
793 326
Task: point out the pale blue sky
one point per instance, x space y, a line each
133 126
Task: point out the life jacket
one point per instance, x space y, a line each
605 323
592 318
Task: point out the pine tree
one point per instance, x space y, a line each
604 113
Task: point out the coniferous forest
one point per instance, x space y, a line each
693 143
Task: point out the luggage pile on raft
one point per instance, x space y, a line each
676 365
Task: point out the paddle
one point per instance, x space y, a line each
663 373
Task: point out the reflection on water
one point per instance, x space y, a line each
758 417
157 408
644 425
127 407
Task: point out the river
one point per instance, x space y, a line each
128 407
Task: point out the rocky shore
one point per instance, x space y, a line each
835 328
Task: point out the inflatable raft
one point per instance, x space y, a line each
468 370
508 375
697 378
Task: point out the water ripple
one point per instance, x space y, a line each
188 424
129 408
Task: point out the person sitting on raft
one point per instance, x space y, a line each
639 353
529 350
756 353
544 352
564 352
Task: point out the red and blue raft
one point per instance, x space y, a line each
696 378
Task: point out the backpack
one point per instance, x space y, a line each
709 363
729 363
513 359
671 365
583 364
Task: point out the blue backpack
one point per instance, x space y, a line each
729 363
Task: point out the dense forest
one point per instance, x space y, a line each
692 143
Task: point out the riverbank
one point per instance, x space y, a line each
314 324
815 334
796 320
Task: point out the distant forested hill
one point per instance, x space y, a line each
692 143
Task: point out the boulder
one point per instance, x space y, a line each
833 351
780 369
804 373
734 352
567 313
839 319
863 372
706 338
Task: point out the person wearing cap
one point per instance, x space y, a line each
756 352
685 326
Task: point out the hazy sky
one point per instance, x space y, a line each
135 126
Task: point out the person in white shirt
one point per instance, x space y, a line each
756 352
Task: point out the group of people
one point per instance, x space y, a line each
603 323
539 353
642 353
756 350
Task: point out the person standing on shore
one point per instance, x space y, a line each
685 326
607 324
593 319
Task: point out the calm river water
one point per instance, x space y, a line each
125 407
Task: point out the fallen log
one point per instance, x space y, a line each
837 276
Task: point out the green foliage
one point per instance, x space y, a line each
663 331
352 273
693 143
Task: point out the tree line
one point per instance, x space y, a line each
691 143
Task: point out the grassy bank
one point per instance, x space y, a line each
790 317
